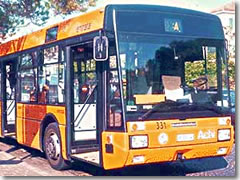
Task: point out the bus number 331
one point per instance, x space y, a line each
161 125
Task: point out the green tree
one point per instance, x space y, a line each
14 14
195 69
231 67
19 13
70 6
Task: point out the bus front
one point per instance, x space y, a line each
166 76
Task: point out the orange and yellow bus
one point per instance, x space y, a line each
120 86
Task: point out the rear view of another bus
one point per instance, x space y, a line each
167 71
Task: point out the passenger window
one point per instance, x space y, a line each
61 83
29 60
51 78
51 55
28 80
48 84
28 77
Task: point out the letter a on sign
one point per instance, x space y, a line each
176 27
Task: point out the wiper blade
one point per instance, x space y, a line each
145 115
165 105
207 106
178 105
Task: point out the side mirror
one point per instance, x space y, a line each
100 48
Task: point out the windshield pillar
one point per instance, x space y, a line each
119 67
219 76
226 77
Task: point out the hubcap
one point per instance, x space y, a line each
53 146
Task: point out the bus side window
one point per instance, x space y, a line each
28 78
51 77
61 83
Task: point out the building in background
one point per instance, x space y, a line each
227 15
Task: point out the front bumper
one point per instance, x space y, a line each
169 154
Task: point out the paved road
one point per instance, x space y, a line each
17 160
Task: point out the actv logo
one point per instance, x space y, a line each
206 134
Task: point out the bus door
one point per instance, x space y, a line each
84 96
9 80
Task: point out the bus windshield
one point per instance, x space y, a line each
171 77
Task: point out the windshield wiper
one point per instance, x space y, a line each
162 104
145 115
211 107
180 105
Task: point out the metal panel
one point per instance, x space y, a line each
85 121
11 109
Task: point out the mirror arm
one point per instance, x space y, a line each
100 35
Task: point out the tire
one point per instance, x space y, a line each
53 148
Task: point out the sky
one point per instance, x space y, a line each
201 5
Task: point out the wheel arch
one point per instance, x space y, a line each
48 119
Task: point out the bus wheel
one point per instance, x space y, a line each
52 147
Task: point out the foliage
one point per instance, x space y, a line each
18 13
193 71
69 6
13 14
231 67
230 36
196 69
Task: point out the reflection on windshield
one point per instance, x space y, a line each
162 70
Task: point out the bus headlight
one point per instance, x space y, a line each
139 141
224 134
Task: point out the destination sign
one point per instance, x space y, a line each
173 25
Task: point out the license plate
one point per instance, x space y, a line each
185 137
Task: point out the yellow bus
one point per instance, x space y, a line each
117 87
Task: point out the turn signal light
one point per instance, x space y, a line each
224 121
109 139
137 126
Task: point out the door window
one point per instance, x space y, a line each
84 75
85 93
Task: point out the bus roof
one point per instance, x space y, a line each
153 19
159 8
94 21
82 24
